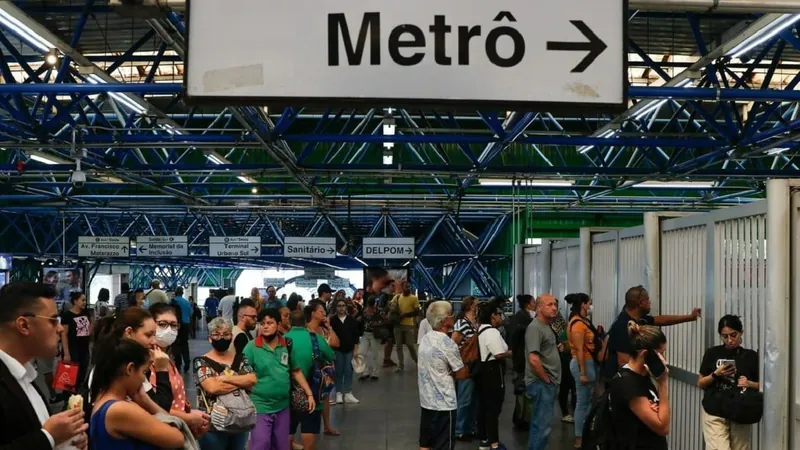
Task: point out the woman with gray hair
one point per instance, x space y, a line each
221 371
438 363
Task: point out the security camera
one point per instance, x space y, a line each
78 178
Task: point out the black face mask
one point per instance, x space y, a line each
221 345
270 337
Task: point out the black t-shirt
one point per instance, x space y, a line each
635 432
80 329
241 340
746 365
347 331
619 341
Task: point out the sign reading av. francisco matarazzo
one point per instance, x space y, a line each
448 52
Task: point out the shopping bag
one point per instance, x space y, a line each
66 377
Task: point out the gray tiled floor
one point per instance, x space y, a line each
388 416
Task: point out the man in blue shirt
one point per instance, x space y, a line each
212 306
180 349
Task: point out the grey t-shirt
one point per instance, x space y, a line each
540 339
226 306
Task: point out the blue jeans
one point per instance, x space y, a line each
344 372
467 412
583 391
215 440
543 402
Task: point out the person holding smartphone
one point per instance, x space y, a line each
727 366
638 407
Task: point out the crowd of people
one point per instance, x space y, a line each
276 367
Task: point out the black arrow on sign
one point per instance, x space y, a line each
143 249
331 251
595 46
254 249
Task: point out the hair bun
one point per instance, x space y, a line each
571 298
633 328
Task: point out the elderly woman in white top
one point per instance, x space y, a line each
438 362
490 381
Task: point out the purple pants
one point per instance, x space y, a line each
271 431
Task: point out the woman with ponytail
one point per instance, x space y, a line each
117 423
640 410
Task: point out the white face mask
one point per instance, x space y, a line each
532 314
591 309
166 336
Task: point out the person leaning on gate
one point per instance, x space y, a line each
724 368
637 309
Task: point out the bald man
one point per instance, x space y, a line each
543 371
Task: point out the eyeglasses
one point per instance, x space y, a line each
216 337
163 324
733 336
55 320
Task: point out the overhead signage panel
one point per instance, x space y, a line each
234 246
162 246
388 248
274 282
305 283
508 52
319 273
309 247
104 246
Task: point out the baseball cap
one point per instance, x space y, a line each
324 289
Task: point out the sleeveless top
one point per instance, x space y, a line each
102 440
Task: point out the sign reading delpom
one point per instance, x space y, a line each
162 246
309 247
509 52
234 246
104 246
388 248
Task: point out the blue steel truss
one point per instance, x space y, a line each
441 242
157 166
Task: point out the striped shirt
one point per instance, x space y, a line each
466 329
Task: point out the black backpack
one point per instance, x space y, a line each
598 431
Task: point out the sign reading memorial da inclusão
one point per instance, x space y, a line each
468 52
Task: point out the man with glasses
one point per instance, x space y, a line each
637 308
29 329
247 319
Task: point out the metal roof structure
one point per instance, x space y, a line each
714 113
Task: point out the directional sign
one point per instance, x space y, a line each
306 283
339 283
319 273
309 247
514 53
388 248
162 245
274 282
234 246
104 246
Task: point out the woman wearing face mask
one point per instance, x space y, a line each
77 334
490 385
269 356
220 372
727 366
166 332
116 423
586 350
135 324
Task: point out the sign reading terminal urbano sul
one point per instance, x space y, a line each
234 246
469 53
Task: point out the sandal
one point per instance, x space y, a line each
332 433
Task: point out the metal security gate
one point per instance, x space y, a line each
565 271
604 278
532 266
715 261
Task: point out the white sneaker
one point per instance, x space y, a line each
296 446
350 398
339 398
568 419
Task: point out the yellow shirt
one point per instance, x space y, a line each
407 304
577 325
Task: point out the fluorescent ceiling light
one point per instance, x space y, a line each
245 179
763 35
688 82
528 183
388 159
111 179
776 151
24 32
170 129
214 159
604 135
389 129
43 159
123 99
673 185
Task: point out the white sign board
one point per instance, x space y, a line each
509 52
309 247
319 273
162 245
274 282
104 246
234 246
388 248
339 283
305 283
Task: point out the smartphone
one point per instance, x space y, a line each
726 362
654 363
